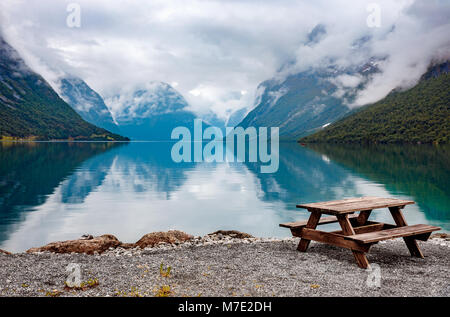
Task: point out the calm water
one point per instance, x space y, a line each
58 191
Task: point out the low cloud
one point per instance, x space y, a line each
214 50
411 36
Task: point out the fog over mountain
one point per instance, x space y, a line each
150 112
216 53
30 109
88 103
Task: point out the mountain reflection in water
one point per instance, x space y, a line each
59 191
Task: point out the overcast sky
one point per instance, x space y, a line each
217 52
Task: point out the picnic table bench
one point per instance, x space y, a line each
357 232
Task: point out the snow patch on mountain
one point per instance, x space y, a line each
151 99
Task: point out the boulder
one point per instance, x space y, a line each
83 245
127 245
441 235
5 252
232 234
172 236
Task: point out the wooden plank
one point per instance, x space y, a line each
348 208
368 227
399 232
374 204
313 220
333 239
336 202
302 224
385 225
347 229
354 204
365 229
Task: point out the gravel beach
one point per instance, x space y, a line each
223 266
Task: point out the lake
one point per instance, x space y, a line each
59 191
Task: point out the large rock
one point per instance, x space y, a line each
440 235
87 245
232 234
4 252
172 236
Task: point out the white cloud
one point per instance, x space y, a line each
216 49
348 81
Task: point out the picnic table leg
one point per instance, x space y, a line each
411 243
363 217
312 224
347 230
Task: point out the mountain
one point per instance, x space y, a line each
31 109
210 118
305 101
236 117
302 102
418 115
87 103
151 112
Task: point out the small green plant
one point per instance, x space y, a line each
93 282
164 291
134 292
164 272
53 293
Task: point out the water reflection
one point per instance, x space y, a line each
29 173
421 172
59 191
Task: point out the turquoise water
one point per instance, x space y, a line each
59 191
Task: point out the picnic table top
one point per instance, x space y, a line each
350 205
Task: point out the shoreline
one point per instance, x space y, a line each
63 141
222 265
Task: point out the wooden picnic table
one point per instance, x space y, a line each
357 232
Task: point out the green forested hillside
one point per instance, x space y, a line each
31 109
420 114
